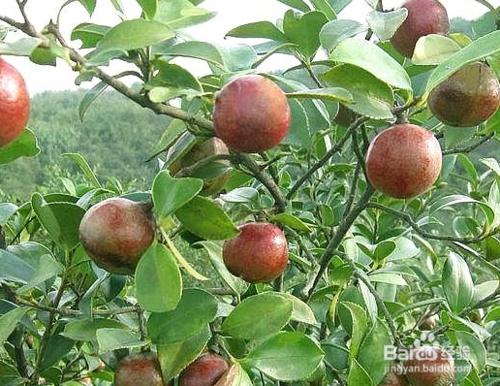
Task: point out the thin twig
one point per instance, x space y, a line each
468 149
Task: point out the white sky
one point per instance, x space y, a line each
230 13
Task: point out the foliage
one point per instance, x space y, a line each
365 270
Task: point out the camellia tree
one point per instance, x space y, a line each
349 225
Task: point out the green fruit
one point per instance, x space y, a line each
139 370
467 98
491 247
215 174
115 233
430 366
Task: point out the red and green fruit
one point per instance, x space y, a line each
430 366
467 98
115 233
139 370
251 114
217 179
404 161
14 103
258 254
205 371
425 17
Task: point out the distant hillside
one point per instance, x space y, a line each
115 137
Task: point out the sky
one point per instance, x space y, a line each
230 13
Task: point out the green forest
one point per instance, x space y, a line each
115 137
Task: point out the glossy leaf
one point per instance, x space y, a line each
457 283
26 145
158 280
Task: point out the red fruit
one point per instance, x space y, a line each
258 254
14 103
115 233
425 17
467 98
205 371
251 114
404 161
430 366
393 379
139 370
213 146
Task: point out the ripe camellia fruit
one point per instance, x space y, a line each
115 233
14 103
213 146
425 17
258 254
394 379
251 114
205 371
404 161
139 370
430 366
467 98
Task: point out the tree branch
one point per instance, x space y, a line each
322 162
409 220
339 235
468 149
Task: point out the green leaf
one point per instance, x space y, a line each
358 375
297 4
287 356
174 76
291 221
235 376
89 97
335 94
301 311
110 339
385 24
434 49
303 30
21 47
168 138
238 57
484 290
372 97
481 48
336 31
26 145
195 310
247 321
457 283
84 166
373 59
175 357
15 268
61 220
371 353
358 326
89 34
259 30
8 322
134 34
206 219
86 330
326 7
171 194
214 251
7 210
178 14
46 268
198 50
89 5
241 195
149 7
476 350
158 280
